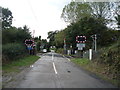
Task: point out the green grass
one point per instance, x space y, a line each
95 68
81 62
23 62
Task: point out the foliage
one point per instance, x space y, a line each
38 43
59 39
74 11
59 50
87 26
13 51
51 37
110 57
118 20
108 38
15 35
118 15
103 10
101 70
6 18
38 46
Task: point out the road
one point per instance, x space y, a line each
55 71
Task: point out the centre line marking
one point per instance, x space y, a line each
68 59
54 68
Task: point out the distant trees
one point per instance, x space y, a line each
15 35
74 11
51 37
59 39
6 18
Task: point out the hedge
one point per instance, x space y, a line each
13 51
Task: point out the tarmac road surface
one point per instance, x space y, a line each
55 71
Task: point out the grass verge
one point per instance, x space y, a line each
95 68
15 65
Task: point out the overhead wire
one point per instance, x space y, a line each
34 15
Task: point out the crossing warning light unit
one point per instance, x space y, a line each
81 39
29 42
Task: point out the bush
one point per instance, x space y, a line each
13 51
111 58
60 50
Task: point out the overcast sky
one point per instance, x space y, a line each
39 15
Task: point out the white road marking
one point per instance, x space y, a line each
68 59
54 63
54 68
52 56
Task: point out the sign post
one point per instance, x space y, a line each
81 44
30 45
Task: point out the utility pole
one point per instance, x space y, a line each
94 37
33 33
95 42
64 46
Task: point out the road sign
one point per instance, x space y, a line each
29 47
81 39
80 46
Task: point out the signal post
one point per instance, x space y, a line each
81 45
30 46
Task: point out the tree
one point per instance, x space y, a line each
38 42
44 43
6 18
118 16
14 35
74 11
103 11
118 20
59 39
25 28
51 37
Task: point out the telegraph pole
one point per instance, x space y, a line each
64 46
94 37
95 42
